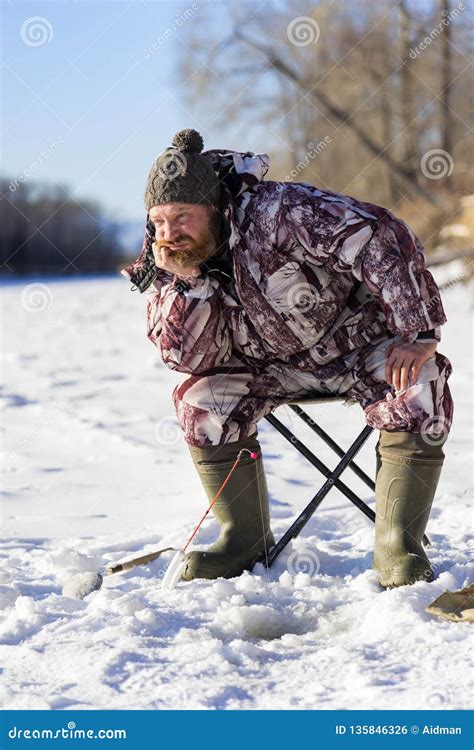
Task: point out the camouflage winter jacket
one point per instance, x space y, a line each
312 274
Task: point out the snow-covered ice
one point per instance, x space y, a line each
96 471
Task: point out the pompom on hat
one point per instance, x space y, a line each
180 174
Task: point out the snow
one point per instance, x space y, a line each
96 471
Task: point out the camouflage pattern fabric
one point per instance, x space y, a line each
320 285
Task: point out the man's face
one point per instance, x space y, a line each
183 228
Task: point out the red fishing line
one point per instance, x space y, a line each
253 455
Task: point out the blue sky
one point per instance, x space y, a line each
90 108
87 107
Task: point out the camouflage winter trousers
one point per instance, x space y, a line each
225 403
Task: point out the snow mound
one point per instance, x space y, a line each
256 621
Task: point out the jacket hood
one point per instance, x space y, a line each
238 171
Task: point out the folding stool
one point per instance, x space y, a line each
332 477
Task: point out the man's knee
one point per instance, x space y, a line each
436 367
207 418
444 364
426 406
200 426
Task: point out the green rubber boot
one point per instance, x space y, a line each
408 469
242 510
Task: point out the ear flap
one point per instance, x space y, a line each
149 224
219 225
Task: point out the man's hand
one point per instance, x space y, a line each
164 260
404 362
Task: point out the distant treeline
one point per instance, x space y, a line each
44 230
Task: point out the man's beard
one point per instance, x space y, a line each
196 251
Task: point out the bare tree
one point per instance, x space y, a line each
445 100
361 79
408 147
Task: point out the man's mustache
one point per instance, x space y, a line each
180 241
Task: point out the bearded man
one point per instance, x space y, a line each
262 292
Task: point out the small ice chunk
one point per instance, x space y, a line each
82 584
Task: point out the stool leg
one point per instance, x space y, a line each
318 464
332 444
304 517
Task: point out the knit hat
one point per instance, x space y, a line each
181 175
